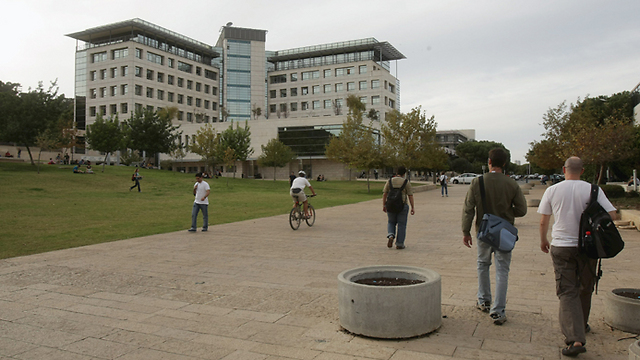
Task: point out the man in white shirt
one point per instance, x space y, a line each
297 190
575 272
201 191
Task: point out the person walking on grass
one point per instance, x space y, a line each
201 190
506 200
397 222
575 272
136 177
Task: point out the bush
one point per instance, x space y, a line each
166 165
632 194
613 191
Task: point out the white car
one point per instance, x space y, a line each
465 178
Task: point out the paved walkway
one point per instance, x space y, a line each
258 290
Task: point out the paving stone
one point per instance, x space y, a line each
11 347
47 353
285 351
100 348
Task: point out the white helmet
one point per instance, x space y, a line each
302 173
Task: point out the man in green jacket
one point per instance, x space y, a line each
504 198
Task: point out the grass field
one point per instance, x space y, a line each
58 209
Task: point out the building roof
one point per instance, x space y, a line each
115 31
386 50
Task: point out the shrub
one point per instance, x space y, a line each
613 191
632 194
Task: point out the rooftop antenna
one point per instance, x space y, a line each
229 23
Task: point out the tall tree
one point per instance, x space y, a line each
275 154
205 143
105 135
477 153
153 132
238 139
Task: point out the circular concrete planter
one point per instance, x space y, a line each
526 186
622 312
525 191
390 312
533 202
634 350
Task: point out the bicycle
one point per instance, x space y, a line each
297 214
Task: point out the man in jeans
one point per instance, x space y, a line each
575 272
201 191
504 198
398 220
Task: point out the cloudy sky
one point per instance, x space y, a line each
495 66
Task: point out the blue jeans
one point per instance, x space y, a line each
399 219
205 216
503 261
445 190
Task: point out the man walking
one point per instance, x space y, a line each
398 220
201 190
504 198
443 184
575 272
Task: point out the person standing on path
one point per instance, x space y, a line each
443 183
504 199
292 177
575 272
398 220
136 177
201 190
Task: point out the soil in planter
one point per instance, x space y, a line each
381 281
629 294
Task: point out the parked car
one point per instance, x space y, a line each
465 178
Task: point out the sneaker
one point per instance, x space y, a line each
191 230
573 350
483 306
399 247
205 230
390 241
498 319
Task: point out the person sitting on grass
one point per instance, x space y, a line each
89 169
76 170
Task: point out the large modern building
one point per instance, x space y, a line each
297 95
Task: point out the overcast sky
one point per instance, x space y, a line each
493 66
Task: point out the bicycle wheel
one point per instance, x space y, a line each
295 218
312 216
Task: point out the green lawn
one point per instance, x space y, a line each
58 209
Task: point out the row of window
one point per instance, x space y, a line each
153 75
327 88
154 58
152 93
123 108
325 104
315 74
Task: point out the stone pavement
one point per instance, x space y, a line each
259 290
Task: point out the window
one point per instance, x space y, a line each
362 85
98 57
170 96
160 95
103 110
273 94
362 69
345 71
103 74
119 53
93 93
339 103
392 89
278 79
206 104
293 91
124 71
210 74
375 100
375 84
139 53
198 71
170 79
198 86
363 99
185 67
180 117
92 111
189 100
190 117
214 90
327 104
160 77
124 89
308 75
304 105
150 92
305 90
392 104
155 58
124 108
103 92
315 89
293 106
138 71
114 72
113 109
94 76
272 108
180 82
316 104
327 88
180 99
114 90
170 62
385 84
351 86
138 90
206 89
138 107
198 102
149 74
283 108
294 76
214 106
283 93
189 84
327 73
339 87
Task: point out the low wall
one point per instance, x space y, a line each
630 215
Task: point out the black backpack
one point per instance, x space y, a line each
443 182
599 238
395 202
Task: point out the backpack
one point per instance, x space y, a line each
395 202
599 238
443 180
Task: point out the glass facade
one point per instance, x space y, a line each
238 69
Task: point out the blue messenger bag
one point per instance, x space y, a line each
494 230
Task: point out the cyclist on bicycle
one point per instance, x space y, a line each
297 191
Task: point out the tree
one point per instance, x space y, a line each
410 140
275 154
205 143
257 111
238 139
477 153
229 159
105 136
153 132
46 141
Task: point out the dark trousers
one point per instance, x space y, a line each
136 184
575 280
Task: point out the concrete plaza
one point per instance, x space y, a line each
259 290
